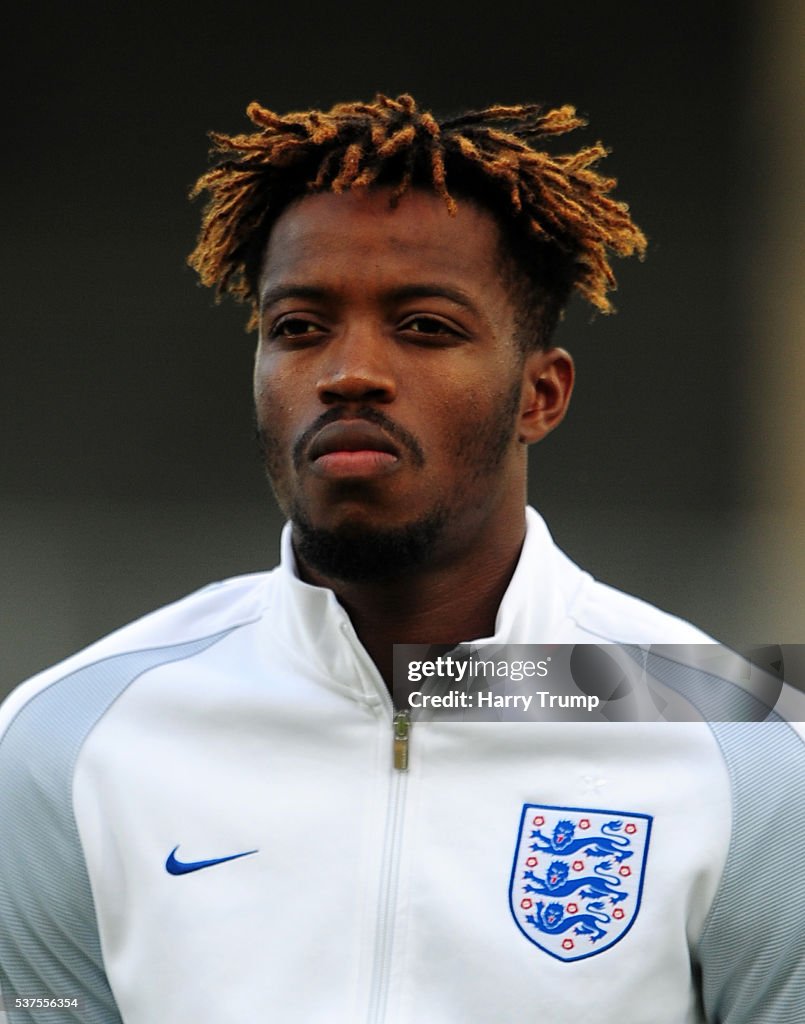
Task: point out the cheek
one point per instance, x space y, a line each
273 393
265 376
469 404
272 414
485 429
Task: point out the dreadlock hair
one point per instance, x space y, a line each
557 220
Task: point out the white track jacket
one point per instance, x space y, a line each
201 824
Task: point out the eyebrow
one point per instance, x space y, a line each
428 289
420 290
291 291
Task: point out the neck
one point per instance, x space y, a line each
447 602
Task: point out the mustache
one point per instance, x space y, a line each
399 434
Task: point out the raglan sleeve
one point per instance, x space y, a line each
51 966
752 950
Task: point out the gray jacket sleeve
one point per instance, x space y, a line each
752 951
49 944
49 941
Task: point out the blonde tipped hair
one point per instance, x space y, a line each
556 211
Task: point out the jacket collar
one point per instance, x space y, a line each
533 610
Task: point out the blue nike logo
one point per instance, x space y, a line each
178 867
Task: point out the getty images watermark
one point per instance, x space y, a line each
599 682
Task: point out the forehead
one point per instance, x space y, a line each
358 234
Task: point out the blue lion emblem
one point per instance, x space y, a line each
552 919
576 883
556 883
564 843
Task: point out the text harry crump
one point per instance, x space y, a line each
487 699
461 669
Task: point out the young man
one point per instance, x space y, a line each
203 818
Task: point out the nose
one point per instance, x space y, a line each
358 368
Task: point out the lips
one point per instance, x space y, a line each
351 436
353 448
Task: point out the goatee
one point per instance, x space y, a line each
360 554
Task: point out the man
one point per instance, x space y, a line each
203 817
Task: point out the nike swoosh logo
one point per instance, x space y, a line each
178 867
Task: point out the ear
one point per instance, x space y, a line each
548 376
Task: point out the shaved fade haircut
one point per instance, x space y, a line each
557 220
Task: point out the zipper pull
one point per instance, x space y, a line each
402 731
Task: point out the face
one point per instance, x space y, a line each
392 399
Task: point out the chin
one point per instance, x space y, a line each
361 552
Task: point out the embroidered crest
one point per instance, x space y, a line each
577 877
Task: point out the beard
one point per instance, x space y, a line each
357 554
361 553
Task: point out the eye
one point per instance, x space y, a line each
294 328
431 327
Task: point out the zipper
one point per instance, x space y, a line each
401 725
389 882
392 839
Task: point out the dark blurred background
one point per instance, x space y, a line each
129 474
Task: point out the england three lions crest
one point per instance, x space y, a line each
577 877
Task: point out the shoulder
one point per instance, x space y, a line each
191 623
552 598
601 613
612 616
49 936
